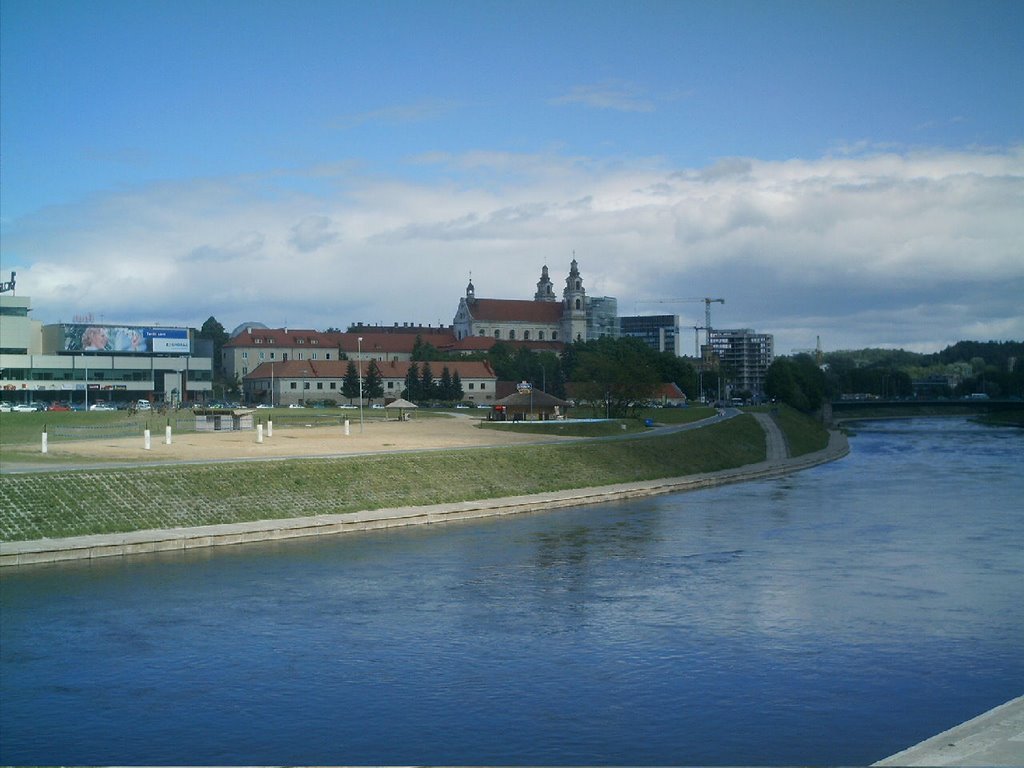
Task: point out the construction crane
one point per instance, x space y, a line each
707 312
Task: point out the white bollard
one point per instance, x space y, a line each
346 427
270 428
45 440
146 439
167 435
259 433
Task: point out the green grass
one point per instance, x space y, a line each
604 428
803 433
75 503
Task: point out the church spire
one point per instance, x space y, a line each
545 288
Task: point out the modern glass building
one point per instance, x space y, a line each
660 332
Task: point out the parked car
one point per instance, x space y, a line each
101 407
264 405
25 408
59 407
5 408
295 405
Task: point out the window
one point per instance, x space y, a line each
334 385
261 354
511 335
244 371
482 385
301 341
313 356
245 355
483 332
497 334
319 385
391 385
271 355
299 356
540 335
470 385
554 335
293 385
526 335
305 385
327 355
578 303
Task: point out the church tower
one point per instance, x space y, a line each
545 288
574 306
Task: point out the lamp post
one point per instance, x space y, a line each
359 346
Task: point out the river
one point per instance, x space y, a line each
834 616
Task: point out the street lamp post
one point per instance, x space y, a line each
359 345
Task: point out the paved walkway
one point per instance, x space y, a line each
994 738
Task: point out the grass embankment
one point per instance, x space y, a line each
803 434
50 505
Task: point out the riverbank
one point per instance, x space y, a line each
50 550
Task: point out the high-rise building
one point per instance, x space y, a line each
660 332
744 355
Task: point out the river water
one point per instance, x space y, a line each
834 616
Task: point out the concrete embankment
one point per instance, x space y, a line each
993 738
164 540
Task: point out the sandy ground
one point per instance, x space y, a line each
377 436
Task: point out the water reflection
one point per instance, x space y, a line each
835 616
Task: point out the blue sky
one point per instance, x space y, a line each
848 170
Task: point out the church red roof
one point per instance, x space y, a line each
511 310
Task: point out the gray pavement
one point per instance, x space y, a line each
993 738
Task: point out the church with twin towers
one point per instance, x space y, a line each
548 317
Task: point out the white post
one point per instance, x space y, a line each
45 440
167 434
259 432
146 439
270 427
346 427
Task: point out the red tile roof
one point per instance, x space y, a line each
510 310
336 369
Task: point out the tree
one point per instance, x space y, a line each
614 375
428 390
412 383
796 381
373 384
215 332
350 384
445 388
457 391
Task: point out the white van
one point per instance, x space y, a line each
143 405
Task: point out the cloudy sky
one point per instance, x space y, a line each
848 170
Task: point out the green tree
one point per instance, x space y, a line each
457 392
214 332
412 383
614 376
350 384
373 384
428 390
445 387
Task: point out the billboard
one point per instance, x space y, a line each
138 339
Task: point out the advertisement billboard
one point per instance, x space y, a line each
137 339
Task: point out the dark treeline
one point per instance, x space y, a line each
994 369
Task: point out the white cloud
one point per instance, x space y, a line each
916 249
617 95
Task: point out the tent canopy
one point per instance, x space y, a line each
401 403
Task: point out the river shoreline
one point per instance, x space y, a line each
20 553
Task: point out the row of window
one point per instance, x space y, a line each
259 340
334 385
92 374
526 334
298 356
